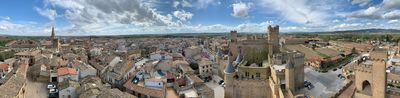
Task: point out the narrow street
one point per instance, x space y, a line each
35 89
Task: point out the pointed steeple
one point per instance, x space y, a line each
219 53
229 68
238 59
53 34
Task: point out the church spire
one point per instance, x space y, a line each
229 68
53 33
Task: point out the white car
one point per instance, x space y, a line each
51 86
53 91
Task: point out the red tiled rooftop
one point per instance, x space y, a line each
169 75
335 58
65 70
3 66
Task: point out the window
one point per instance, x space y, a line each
246 74
258 75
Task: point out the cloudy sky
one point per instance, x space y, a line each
118 17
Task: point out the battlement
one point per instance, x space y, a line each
274 29
287 54
364 66
296 54
379 54
233 36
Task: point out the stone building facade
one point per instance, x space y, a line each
279 77
370 75
287 74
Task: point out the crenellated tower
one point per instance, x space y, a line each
370 75
273 40
233 43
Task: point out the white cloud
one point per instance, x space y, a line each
185 3
49 13
336 21
388 9
108 17
5 18
24 29
393 21
347 26
298 11
88 14
204 3
392 15
360 2
391 4
183 15
370 13
7 25
241 9
175 4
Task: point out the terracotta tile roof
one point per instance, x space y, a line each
3 66
169 75
14 85
145 91
315 59
66 84
195 79
335 58
28 53
66 70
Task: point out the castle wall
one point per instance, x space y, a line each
361 76
251 89
253 73
379 79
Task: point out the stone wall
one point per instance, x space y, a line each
252 89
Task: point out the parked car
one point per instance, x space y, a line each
306 83
309 87
220 82
51 86
53 90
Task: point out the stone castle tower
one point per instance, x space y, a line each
370 75
294 74
233 43
229 78
273 40
287 66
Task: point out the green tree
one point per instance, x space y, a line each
194 66
313 46
354 51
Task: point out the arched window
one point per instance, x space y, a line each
366 87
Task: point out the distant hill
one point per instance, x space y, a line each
365 31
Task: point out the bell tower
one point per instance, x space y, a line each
53 34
